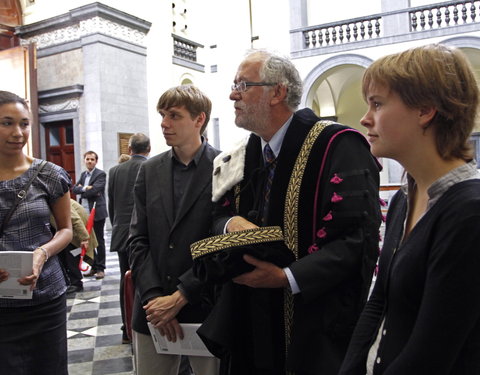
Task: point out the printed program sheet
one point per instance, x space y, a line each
191 344
18 264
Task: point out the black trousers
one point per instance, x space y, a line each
124 267
70 264
33 339
99 259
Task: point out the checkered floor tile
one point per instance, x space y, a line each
94 326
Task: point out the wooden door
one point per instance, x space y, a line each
60 146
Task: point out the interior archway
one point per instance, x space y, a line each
336 94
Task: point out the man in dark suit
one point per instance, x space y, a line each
173 205
91 188
121 180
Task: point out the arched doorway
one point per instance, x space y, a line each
333 89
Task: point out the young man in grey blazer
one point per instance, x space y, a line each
173 206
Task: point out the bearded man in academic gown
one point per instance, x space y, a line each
288 316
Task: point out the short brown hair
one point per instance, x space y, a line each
90 153
194 100
433 76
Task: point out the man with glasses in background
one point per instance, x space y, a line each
318 182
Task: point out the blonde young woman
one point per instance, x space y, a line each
424 313
32 331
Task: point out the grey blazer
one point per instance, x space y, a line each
159 243
121 182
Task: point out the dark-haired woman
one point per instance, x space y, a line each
32 331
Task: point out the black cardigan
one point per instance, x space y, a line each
428 291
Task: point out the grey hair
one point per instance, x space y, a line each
139 143
279 69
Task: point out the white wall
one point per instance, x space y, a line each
320 12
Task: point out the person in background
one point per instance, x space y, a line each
123 158
173 208
324 197
121 181
70 257
423 316
33 334
91 188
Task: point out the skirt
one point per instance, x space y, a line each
33 339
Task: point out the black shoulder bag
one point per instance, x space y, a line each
21 194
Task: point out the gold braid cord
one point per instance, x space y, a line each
291 215
237 195
241 238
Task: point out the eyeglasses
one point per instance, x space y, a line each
242 86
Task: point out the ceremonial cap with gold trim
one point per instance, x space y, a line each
220 258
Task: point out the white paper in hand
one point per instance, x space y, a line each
191 344
18 264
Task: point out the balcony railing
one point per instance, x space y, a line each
185 53
342 32
452 13
431 17
184 48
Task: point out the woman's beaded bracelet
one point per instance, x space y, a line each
45 252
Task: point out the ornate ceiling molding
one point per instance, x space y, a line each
91 19
84 28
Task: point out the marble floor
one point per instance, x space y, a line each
93 328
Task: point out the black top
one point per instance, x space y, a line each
427 291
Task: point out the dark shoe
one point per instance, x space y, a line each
125 339
90 273
74 289
100 275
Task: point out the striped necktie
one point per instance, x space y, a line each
270 163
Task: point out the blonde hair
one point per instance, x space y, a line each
123 158
433 76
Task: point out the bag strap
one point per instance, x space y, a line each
21 194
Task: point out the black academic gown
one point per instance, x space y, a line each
331 222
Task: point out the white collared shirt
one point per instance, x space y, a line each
276 142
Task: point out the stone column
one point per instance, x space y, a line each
298 19
396 23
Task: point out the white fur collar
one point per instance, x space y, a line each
228 169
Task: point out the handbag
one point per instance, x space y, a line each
21 194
